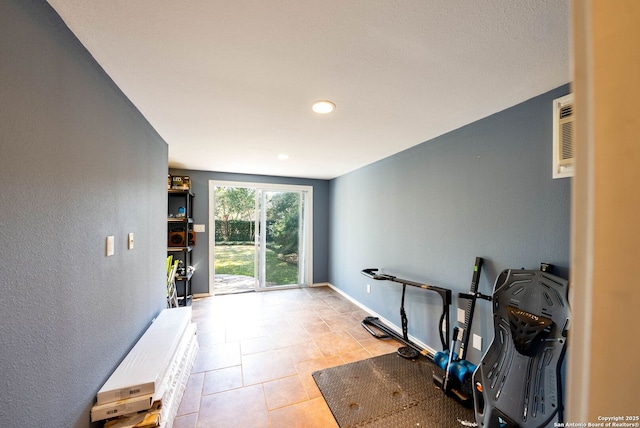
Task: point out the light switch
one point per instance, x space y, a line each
461 315
198 227
130 241
110 246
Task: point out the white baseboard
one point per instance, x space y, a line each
383 319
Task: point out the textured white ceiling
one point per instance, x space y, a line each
229 84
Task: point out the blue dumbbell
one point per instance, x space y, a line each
462 369
442 358
470 367
459 371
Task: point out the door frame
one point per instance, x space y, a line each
307 220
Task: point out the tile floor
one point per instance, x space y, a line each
257 353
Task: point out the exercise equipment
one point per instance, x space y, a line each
455 373
410 350
518 381
457 370
460 369
471 298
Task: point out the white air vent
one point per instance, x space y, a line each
563 137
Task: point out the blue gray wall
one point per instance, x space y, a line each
200 187
78 162
425 214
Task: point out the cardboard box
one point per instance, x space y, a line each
122 407
150 418
181 182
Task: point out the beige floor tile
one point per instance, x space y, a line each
211 337
252 346
222 380
314 304
302 316
334 299
284 392
305 352
307 367
238 332
309 414
344 307
273 321
278 311
380 346
316 328
186 421
243 407
191 397
266 366
326 312
359 314
207 323
335 343
291 295
357 355
340 322
289 336
217 357
310 386
359 333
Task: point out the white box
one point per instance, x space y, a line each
142 370
175 366
167 401
172 398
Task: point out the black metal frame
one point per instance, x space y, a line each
444 293
472 296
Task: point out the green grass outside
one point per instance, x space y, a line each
239 260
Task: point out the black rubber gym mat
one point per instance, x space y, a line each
389 391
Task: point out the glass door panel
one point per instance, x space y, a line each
234 249
279 242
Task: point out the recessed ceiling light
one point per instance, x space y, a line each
323 106
283 156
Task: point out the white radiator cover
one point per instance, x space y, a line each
563 137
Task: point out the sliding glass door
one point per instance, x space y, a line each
262 236
279 246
